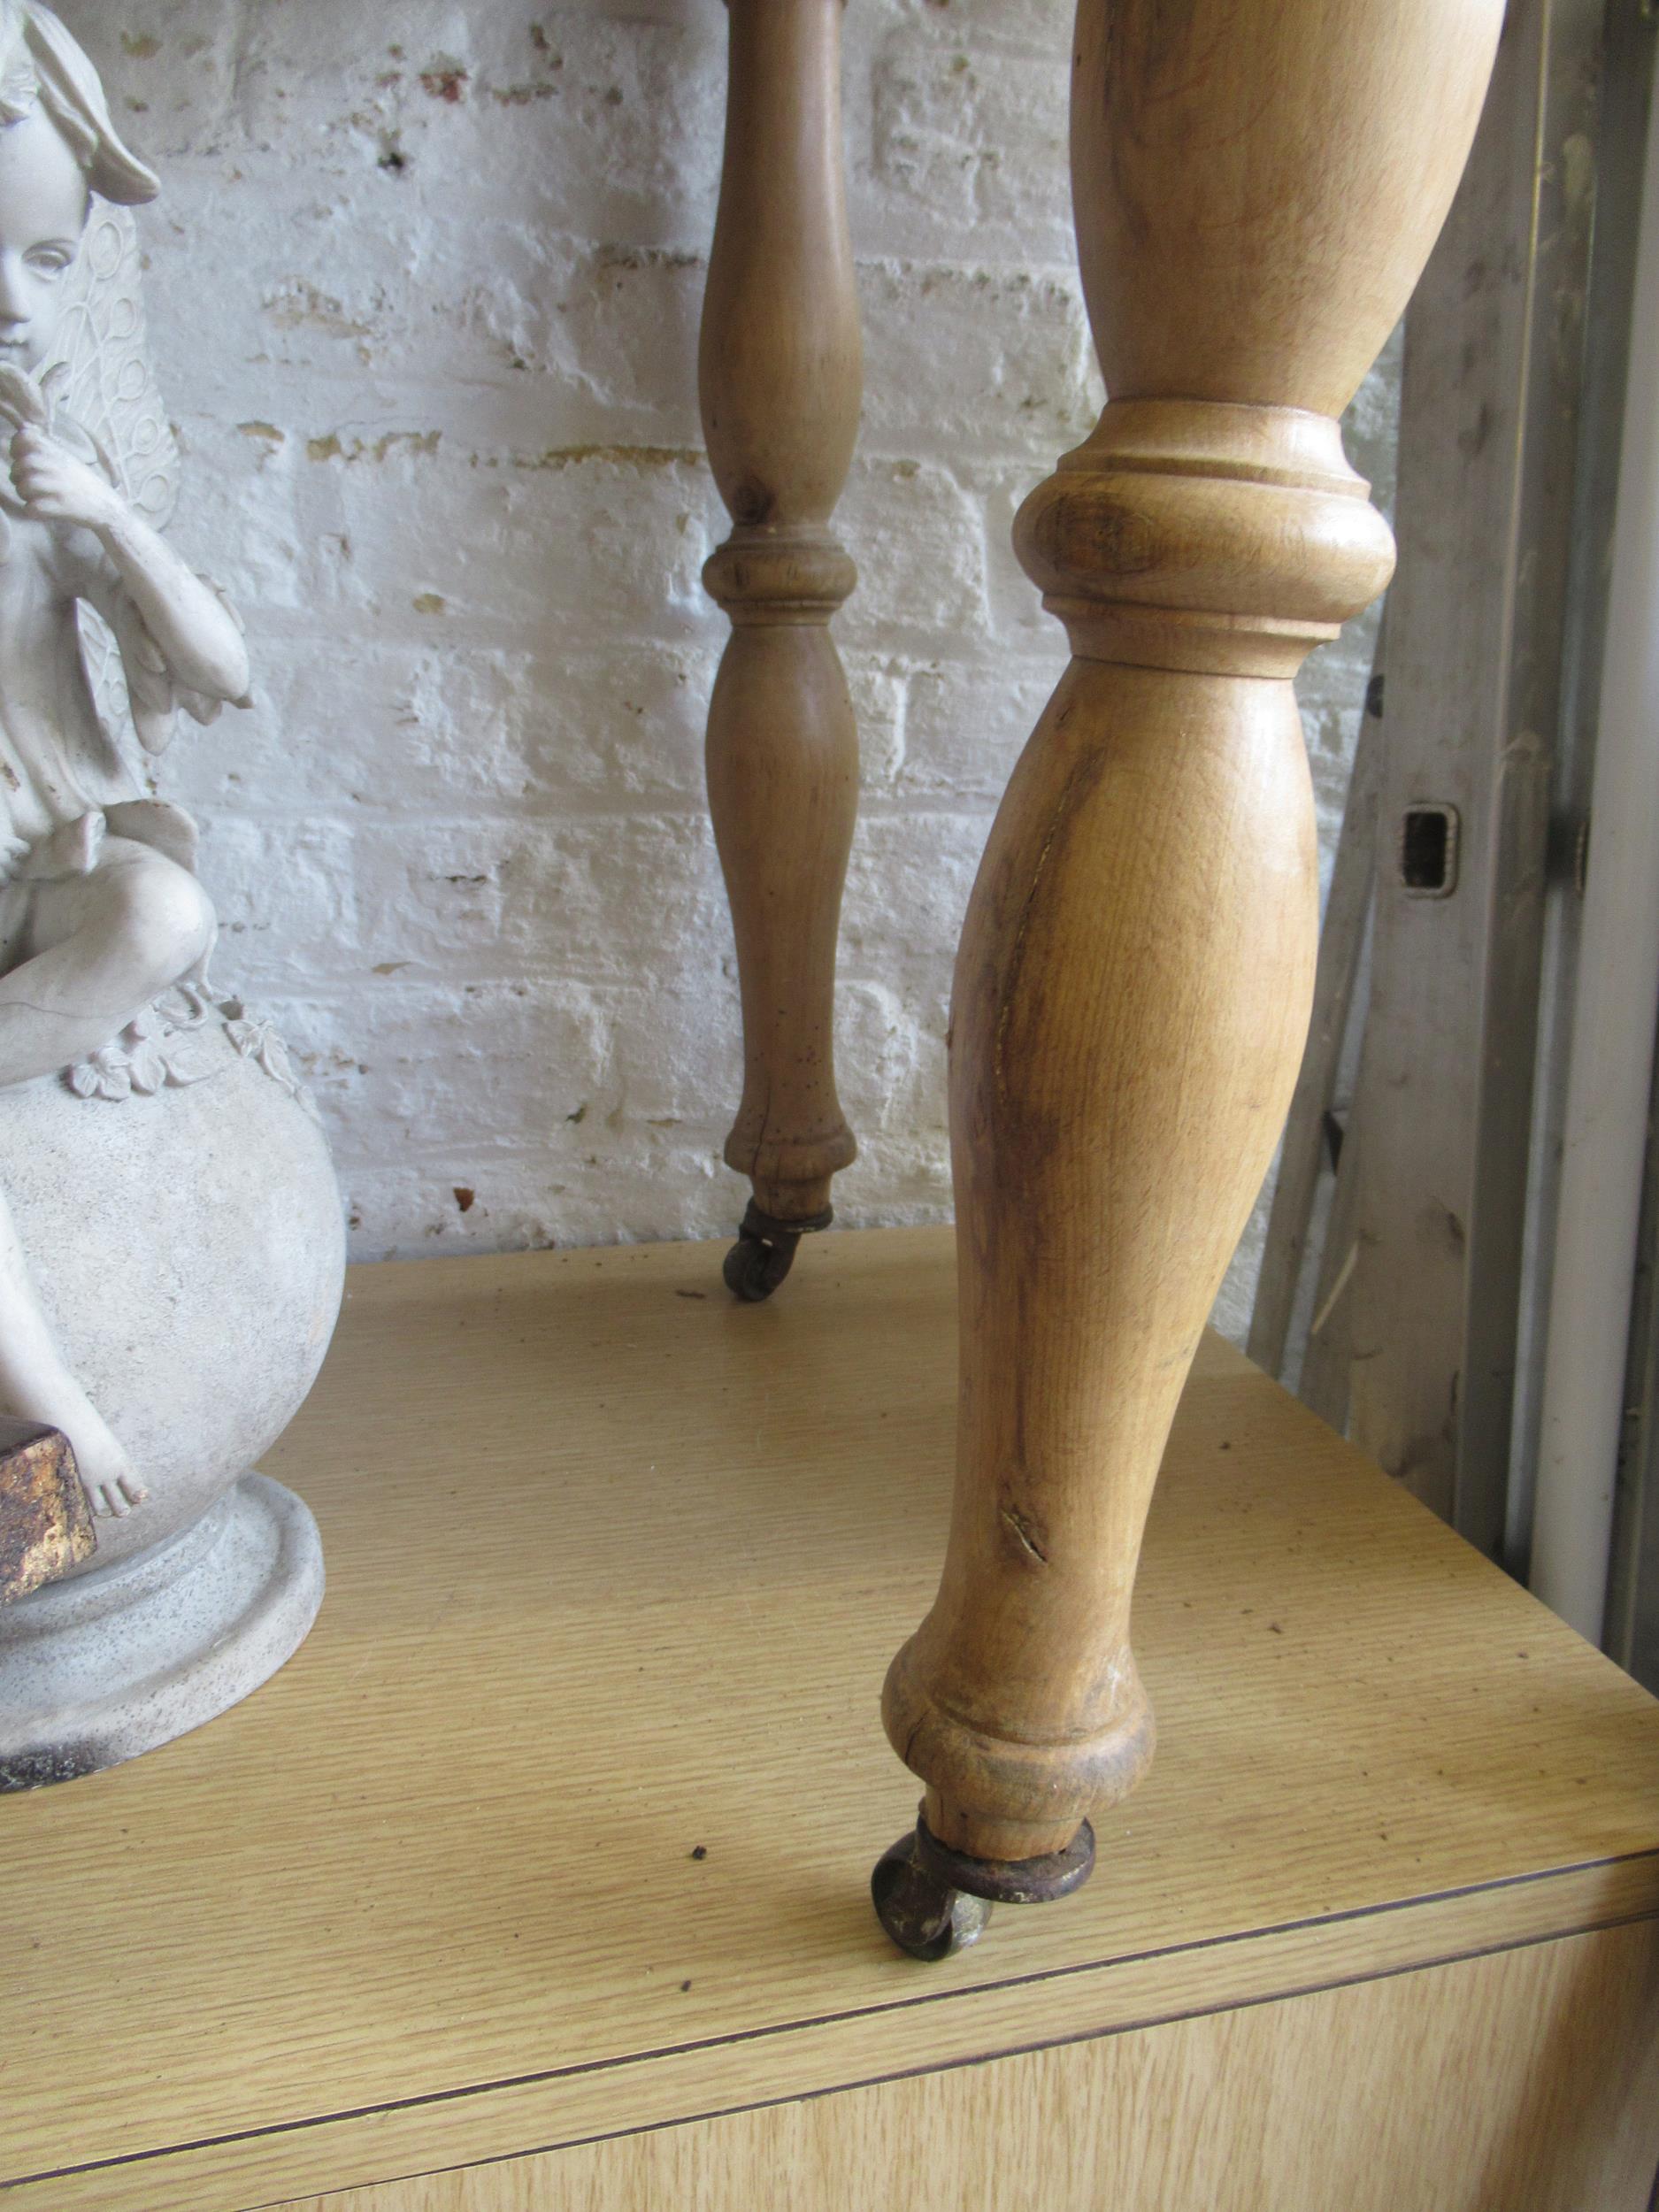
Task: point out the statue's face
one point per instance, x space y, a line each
43 211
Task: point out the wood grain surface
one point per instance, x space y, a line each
431 1897
1527 2082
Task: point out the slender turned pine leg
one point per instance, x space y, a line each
1257 185
780 374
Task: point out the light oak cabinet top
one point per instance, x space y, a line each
559 1825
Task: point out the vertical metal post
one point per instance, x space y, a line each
1490 406
1616 1003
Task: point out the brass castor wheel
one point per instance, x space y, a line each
934 1902
764 1252
921 1914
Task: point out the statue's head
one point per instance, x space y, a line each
58 147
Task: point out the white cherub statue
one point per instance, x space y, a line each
172 1246
100 910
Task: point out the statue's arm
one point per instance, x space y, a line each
191 626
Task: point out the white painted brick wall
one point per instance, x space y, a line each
425 285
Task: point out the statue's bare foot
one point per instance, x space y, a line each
110 1480
116 1499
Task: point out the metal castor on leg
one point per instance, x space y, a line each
934 1902
764 1252
923 1914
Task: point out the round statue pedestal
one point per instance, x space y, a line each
182 1230
95 1669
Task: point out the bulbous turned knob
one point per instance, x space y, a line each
780 574
1193 534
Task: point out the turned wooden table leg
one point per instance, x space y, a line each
780 376
1257 185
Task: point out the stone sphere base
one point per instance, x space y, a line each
96 1670
181 1232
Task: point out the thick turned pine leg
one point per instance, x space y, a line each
780 378
1257 185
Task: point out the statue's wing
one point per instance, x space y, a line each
101 375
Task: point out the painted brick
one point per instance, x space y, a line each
423 302
973 145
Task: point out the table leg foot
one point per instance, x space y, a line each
922 1914
764 1252
934 1902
